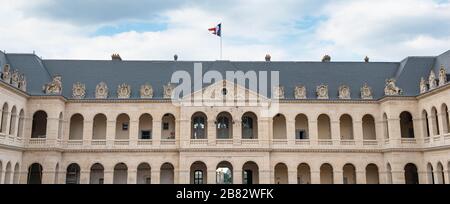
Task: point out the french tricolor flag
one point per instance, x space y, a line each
217 30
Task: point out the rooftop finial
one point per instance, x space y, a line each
116 57
268 58
175 57
326 58
366 59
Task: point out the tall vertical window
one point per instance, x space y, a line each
198 177
247 127
198 126
223 125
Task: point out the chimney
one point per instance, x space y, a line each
175 57
326 58
116 57
268 58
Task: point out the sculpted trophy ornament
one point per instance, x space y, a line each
22 82
168 89
146 91
322 92
15 78
432 80
300 92
391 89
101 91
78 91
278 92
124 91
54 87
423 85
366 92
442 76
6 73
344 92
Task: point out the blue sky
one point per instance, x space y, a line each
303 30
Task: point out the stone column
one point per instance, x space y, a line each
335 132
156 137
110 133
5 126
434 125
16 125
441 123
87 132
358 133
134 133
446 175
313 132
237 132
290 131
212 135
2 175
423 176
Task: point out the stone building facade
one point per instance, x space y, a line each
90 122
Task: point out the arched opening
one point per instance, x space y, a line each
16 174
326 174
440 173
369 130
303 174
425 123
385 126
406 125
4 120
389 173
120 175
99 127
20 125
144 174
372 174
224 173
346 127
411 175
39 126
13 122
198 173
123 127
97 174
281 174
249 126
73 174
1 171
199 126
8 173
435 120
145 127
430 173
76 127
445 118
279 127
168 127
60 125
224 126
324 127
349 174
35 174
250 173
301 127
167 174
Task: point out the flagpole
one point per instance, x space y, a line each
221 35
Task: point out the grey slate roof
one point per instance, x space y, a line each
158 73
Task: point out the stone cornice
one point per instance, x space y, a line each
434 91
14 89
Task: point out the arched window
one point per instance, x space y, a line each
440 172
389 173
123 127
223 126
4 120
8 173
99 127
35 174
73 174
249 126
39 126
76 127
411 175
349 174
346 126
369 130
145 127
16 174
303 174
426 126
281 174
430 173
199 126
198 173
301 127
144 174
97 174
20 125
1 171
385 126
324 127
279 127
224 173
445 118
13 122
406 125
250 173
326 174
168 127
167 174
372 174
435 121
120 175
